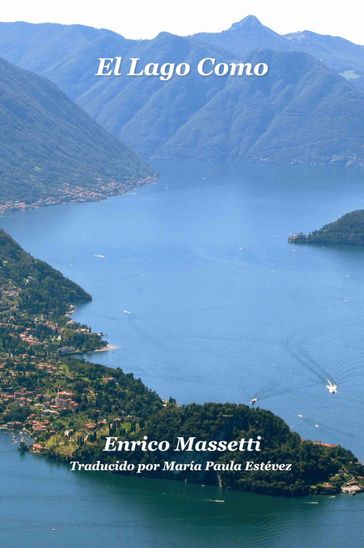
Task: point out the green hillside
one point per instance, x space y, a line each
32 285
50 148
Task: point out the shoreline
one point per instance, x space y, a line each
80 195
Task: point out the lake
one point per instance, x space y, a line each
194 281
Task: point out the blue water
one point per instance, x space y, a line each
194 281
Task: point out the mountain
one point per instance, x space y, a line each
302 112
44 48
50 148
348 230
146 112
336 53
142 112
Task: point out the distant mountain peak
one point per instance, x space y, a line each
249 22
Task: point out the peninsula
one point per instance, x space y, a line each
348 230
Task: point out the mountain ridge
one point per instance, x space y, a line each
158 119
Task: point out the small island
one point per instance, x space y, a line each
348 231
63 407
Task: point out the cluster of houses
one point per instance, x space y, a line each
21 396
44 405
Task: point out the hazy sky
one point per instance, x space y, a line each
146 18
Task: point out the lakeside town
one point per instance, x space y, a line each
73 194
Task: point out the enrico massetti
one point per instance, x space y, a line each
112 443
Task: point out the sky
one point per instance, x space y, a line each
146 18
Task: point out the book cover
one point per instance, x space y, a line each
181 274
